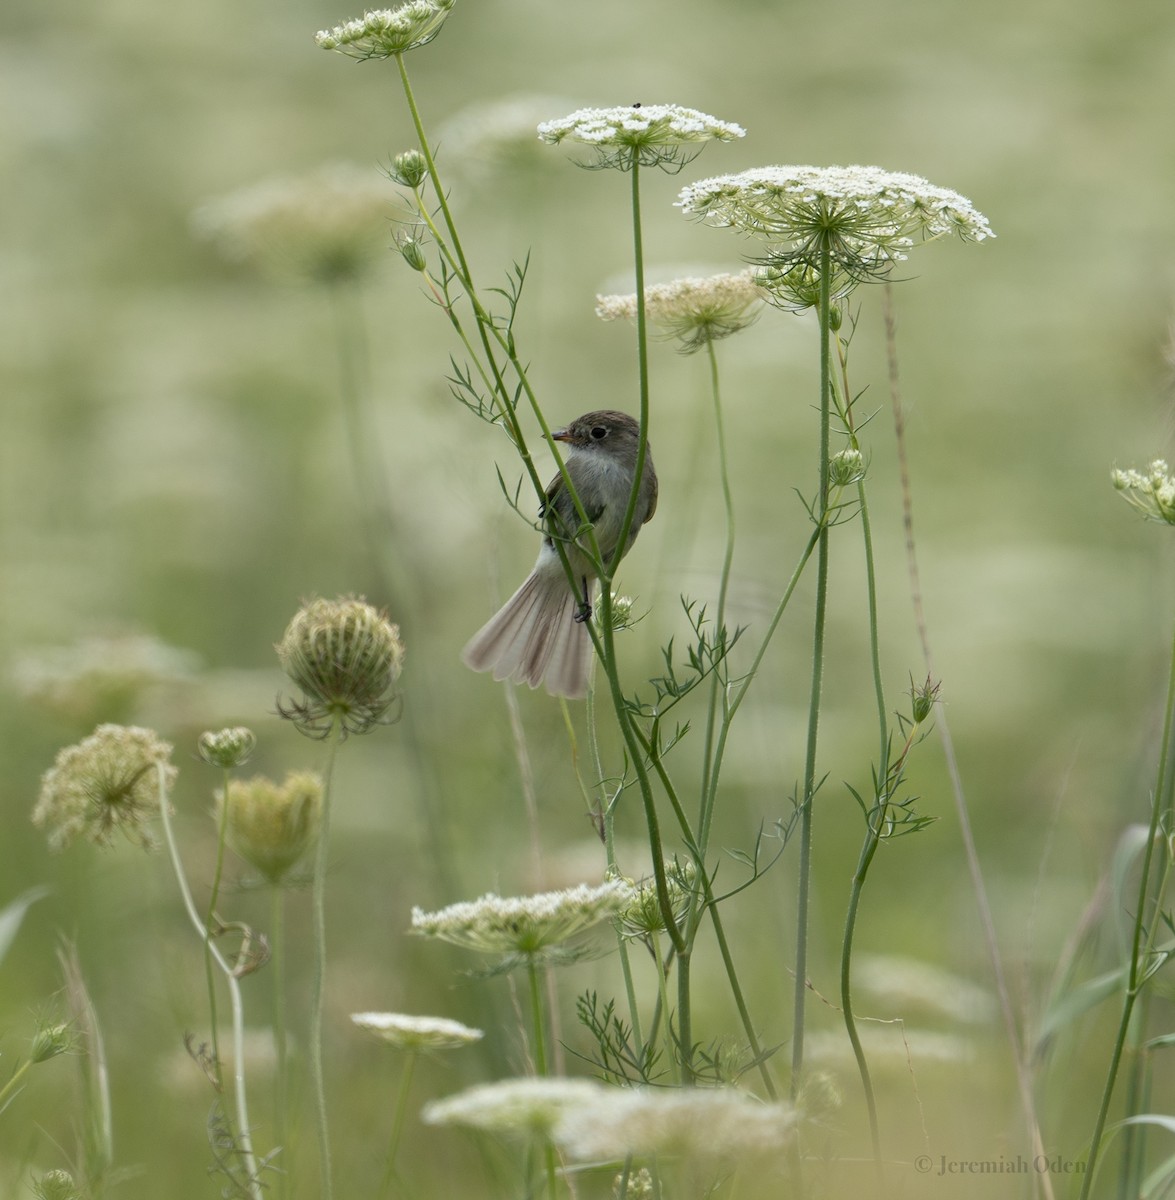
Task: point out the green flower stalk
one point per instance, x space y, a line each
345 657
104 785
412 1035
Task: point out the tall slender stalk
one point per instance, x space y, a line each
398 1116
541 1067
954 773
243 1131
1137 973
277 964
210 924
805 866
318 996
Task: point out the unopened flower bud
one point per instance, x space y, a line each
923 696
345 656
409 169
56 1185
846 468
412 249
272 826
49 1041
227 747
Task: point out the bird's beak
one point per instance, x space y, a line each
560 435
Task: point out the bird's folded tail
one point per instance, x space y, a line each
535 639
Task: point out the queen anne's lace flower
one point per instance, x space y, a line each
345 656
1152 491
695 310
649 135
523 925
270 825
865 218
385 32
710 1124
416 1033
519 1107
326 225
108 782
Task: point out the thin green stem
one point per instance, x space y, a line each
277 965
876 818
11 1086
608 817
718 681
318 996
398 1117
1020 1064
805 855
671 1057
1134 981
540 1061
642 355
210 928
244 1137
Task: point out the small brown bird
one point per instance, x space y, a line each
537 636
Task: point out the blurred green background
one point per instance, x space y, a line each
173 464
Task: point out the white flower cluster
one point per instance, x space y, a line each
328 224
790 203
497 133
592 1122
1152 491
386 32
107 782
519 1107
696 310
416 1033
861 220
523 925
639 125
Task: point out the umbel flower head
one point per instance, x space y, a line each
865 218
102 676
524 928
1152 491
227 748
386 32
713 1125
496 137
56 1185
416 1033
518 1107
696 311
327 225
105 784
345 656
646 135
642 917
272 826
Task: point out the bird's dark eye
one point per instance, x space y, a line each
599 432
